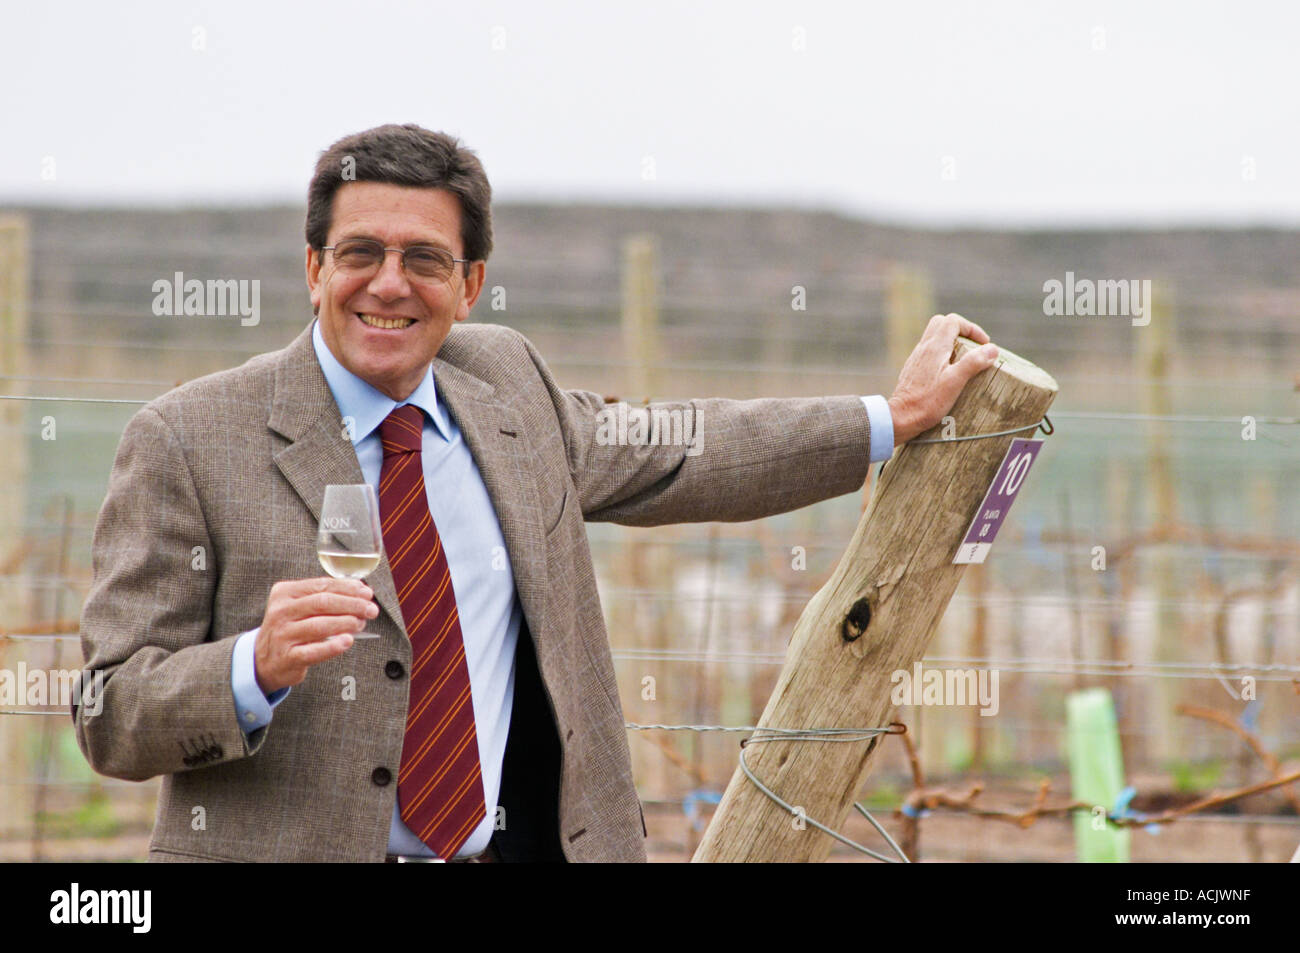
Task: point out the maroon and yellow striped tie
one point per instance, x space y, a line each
440 782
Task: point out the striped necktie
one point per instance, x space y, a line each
440 782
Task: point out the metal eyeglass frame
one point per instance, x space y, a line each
402 251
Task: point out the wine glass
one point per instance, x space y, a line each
350 541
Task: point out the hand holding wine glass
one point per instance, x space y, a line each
309 621
350 541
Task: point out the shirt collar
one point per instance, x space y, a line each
363 403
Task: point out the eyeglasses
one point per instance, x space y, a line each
365 255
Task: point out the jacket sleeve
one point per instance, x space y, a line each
165 703
708 459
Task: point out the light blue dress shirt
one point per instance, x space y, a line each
481 576
882 427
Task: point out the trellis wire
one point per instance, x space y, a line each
799 734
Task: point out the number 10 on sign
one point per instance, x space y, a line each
1001 494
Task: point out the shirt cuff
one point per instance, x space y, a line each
252 705
882 427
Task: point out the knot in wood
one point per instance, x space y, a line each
855 623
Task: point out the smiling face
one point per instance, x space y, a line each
386 328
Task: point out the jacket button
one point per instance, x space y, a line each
381 776
394 669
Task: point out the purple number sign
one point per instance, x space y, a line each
1002 493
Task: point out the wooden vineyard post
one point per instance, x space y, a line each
16 601
641 316
1157 569
875 616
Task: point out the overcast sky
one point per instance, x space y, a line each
942 112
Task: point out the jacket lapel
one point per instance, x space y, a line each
320 452
496 438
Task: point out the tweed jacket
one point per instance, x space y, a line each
214 496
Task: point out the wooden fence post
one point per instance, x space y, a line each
1158 573
909 303
896 577
641 316
14 244
16 602
635 564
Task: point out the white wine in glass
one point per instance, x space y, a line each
350 541
349 565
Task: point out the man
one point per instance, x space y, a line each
483 721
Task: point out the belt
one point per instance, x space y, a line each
489 855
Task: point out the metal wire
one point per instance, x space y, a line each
805 734
1044 423
1177 418
1100 669
74 400
1040 600
38 379
802 370
634 726
831 735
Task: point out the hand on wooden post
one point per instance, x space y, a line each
928 384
